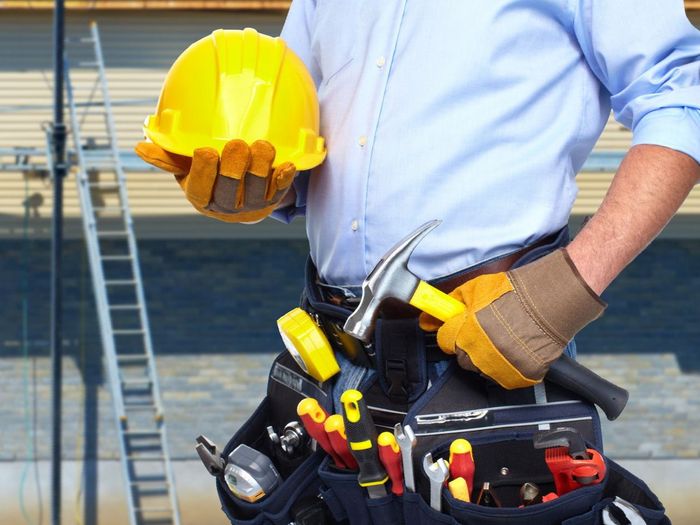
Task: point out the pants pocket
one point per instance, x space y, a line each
348 501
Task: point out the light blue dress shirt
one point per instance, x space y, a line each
479 113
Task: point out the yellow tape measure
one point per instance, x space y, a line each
308 344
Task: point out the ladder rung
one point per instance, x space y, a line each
153 510
132 383
128 331
131 358
150 489
107 208
120 282
139 406
145 457
124 307
117 257
112 233
102 185
88 64
142 433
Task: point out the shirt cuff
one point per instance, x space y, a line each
287 214
677 128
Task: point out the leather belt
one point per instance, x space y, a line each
392 309
396 309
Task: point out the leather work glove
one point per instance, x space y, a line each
518 322
242 186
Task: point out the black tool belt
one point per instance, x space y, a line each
500 425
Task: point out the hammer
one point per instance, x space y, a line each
391 278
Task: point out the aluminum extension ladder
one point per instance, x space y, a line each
118 289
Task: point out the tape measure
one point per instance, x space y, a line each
308 344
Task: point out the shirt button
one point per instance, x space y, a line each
354 225
362 140
380 62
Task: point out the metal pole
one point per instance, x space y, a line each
59 172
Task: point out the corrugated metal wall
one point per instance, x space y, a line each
139 48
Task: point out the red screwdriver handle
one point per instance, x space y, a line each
390 456
314 416
335 428
462 461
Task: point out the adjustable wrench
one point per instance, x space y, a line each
437 472
407 440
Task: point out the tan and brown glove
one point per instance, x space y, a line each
518 322
242 186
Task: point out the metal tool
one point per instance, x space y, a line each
335 429
314 416
530 494
249 474
293 440
486 496
390 456
407 440
362 438
212 460
437 472
391 279
307 344
572 464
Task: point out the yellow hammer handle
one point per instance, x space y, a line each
438 304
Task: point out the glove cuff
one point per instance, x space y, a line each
555 295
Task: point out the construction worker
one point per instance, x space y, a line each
479 114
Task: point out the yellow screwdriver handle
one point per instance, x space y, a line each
436 303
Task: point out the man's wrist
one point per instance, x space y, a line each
588 268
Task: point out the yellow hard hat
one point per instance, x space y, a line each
239 85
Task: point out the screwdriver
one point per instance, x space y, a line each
314 416
335 428
362 437
390 456
459 489
462 461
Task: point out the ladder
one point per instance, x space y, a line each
118 289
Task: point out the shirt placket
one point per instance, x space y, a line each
379 56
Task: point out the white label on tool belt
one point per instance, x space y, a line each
433 431
295 381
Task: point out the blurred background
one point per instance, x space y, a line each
213 291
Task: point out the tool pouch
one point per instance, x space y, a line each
500 425
300 485
348 501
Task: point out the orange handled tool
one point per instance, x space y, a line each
390 456
314 416
462 461
335 429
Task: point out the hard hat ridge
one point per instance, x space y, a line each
244 85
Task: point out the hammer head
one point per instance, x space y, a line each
390 278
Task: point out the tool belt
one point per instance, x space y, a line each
413 383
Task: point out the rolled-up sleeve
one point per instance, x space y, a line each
647 55
297 34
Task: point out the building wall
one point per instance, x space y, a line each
139 48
